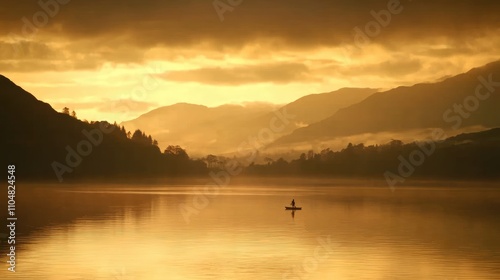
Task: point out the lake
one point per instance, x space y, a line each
344 231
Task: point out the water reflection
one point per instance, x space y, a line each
138 233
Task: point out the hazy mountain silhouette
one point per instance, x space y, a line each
199 128
405 108
35 136
222 129
315 107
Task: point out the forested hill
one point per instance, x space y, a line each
45 144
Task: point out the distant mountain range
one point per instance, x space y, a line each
199 129
332 116
222 129
451 104
35 136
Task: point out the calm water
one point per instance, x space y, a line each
343 232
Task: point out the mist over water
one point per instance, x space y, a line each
346 230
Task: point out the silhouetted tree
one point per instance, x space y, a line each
211 161
65 110
303 157
123 131
176 151
137 136
396 143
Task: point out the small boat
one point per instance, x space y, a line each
293 208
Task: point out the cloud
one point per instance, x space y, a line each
389 68
84 35
31 66
26 50
278 73
34 56
297 23
274 48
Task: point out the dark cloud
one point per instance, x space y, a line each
265 73
26 50
34 56
85 34
45 65
29 66
298 23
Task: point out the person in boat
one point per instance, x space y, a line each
293 203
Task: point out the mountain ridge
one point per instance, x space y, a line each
223 128
404 108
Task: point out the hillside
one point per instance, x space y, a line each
218 130
42 142
420 106
316 107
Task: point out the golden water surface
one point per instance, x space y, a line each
243 232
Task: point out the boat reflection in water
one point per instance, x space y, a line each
293 209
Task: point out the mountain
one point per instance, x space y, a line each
452 104
45 144
315 107
203 130
198 128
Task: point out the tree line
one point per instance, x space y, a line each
475 156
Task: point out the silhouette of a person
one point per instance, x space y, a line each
293 203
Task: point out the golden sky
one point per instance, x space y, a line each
115 60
